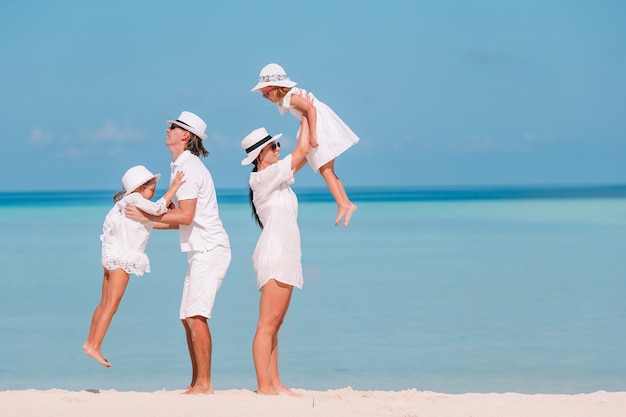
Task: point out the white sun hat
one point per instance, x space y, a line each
191 122
273 74
254 143
136 177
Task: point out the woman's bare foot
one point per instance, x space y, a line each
346 214
281 389
266 391
97 355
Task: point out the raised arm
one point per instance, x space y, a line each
298 156
179 179
161 206
304 104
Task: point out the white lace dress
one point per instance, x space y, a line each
333 135
124 240
277 253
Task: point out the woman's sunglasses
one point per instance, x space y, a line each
274 145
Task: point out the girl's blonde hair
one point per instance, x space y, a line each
281 92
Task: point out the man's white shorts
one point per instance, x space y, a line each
205 272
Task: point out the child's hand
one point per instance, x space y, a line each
306 96
178 179
313 141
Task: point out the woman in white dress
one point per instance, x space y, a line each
123 248
277 255
330 136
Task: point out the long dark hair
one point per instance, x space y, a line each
255 215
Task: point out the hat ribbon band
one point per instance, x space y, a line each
180 121
259 143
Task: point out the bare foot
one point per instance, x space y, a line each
346 214
97 355
281 389
340 214
198 390
266 391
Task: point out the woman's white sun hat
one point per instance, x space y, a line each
273 74
189 121
136 177
254 143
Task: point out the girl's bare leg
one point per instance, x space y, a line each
113 286
345 207
275 298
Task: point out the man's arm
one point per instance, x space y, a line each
183 214
164 226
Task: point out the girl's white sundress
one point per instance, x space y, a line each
124 240
333 135
277 253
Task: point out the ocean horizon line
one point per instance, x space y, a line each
357 194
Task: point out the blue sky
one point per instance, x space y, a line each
442 93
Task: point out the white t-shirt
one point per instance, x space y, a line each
206 230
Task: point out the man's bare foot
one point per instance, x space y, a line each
196 389
346 214
97 355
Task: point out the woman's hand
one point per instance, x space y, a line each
306 96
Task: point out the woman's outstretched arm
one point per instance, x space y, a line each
298 156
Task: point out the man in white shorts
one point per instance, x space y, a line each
202 236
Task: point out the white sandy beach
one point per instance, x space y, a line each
344 402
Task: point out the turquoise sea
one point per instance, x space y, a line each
451 290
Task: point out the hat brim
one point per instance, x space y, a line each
141 182
283 83
255 153
201 135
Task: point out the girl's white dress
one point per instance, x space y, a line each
277 253
333 135
124 240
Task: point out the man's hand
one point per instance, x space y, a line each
134 213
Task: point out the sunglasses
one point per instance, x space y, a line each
274 145
173 126
267 92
